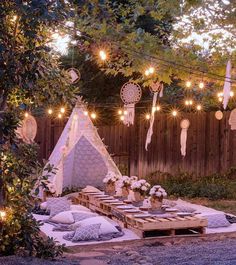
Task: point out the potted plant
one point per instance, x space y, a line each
140 189
125 184
110 181
157 194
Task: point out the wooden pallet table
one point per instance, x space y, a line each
155 226
152 226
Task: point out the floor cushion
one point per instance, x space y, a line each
86 233
65 217
216 220
78 207
106 227
43 205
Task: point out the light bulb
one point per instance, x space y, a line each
153 109
231 93
26 114
125 112
186 102
190 102
158 108
147 116
50 111
102 55
119 111
122 118
59 115
188 84
62 110
2 214
199 107
147 72
220 99
93 115
174 113
201 85
151 70
86 113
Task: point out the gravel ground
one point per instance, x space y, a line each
204 253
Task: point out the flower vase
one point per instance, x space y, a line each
138 199
110 189
125 192
156 204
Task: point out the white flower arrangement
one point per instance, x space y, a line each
157 192
141 186
110 178
125 181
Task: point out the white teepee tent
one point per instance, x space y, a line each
80 156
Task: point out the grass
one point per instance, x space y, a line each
228 206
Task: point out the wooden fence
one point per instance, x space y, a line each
211 144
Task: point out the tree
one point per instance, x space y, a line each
30 77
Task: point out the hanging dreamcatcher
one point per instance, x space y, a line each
184 124
74 75
156 88
130 94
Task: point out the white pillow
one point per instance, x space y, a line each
106 227
43 205
78 207
63 218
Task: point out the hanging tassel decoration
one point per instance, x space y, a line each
183 136
227 85
156 88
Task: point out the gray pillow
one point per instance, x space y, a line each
79 216
58 205
69 236
216 220
85 233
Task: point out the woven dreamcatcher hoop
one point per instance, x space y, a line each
130 94
74 75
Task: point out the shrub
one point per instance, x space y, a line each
215 186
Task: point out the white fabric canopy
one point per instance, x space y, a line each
80 156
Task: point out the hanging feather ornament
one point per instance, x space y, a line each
184 124
227 85
155 88
130 94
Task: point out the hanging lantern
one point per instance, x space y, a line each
28 129
232 119
130 94
219 115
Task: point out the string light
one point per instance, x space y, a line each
199 107
186 102
59 115
220 99
201 85
147 116
149 71
119 111
153 109
190 102
122 118
158 108
188 84
50 111
62 110
125 112
26 115
174 113
3 215
220 94
102 55
93 115
231 94
14 18
86 113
